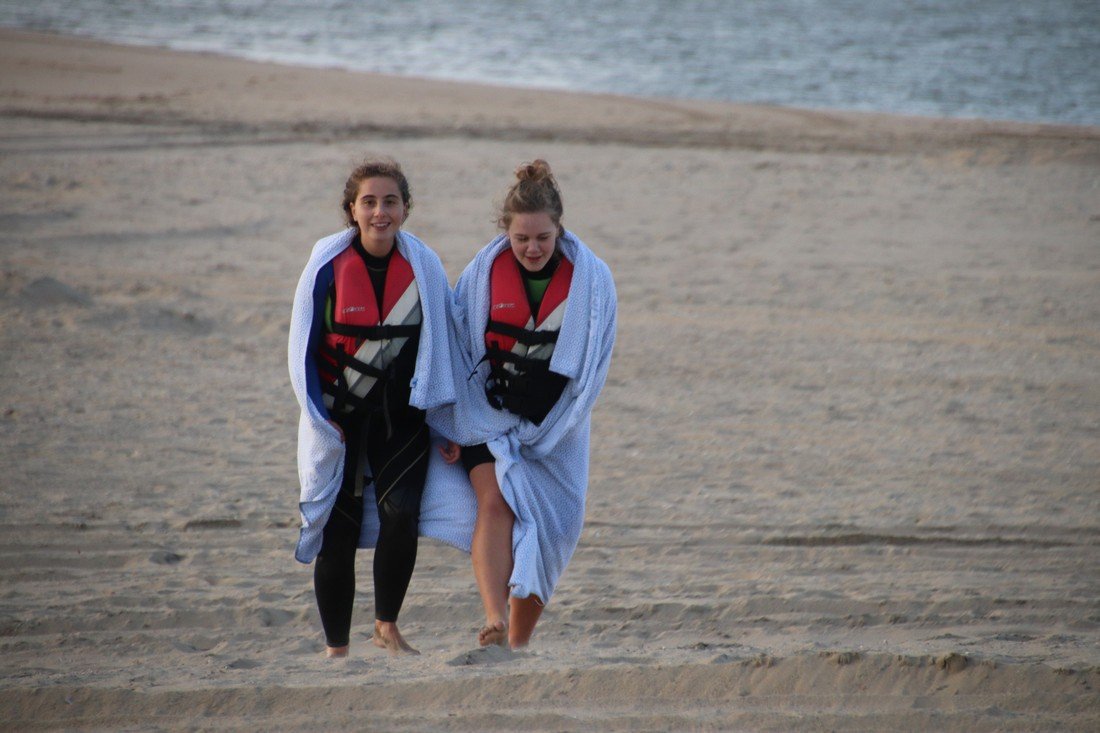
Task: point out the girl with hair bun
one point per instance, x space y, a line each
534 325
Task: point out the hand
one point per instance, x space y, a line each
450 452
338 429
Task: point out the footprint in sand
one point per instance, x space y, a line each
485 655
274 617
196 644
165 557
243 664
46 291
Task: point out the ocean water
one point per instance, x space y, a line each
1031 60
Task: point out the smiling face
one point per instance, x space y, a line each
533 238
379 211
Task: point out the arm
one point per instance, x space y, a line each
316 334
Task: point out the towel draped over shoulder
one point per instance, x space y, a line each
320 448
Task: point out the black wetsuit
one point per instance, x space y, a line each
549 385
390 443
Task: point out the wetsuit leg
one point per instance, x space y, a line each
334 569
401 467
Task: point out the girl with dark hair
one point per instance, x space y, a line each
368 354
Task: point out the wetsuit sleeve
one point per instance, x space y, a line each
321 287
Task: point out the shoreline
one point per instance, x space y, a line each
10 33
290 63
154 86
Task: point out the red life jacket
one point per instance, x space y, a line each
519 343
361 347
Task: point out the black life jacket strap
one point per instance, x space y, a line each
342 397
498 357
344 360
341 393
338 390
508 389
527 337
376 333
529 395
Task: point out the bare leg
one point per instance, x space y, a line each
386 636
524 615
491 553
335 652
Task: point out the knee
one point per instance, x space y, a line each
334 564
398 515
493 506
337 555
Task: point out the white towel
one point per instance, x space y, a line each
542 469
320 449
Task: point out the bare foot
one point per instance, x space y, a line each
336 652
495 633
386 636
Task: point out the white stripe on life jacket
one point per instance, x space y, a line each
552 322
379 354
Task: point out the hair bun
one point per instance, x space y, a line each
535 171
535 190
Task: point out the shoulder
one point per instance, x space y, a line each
338 240
418 250
488 254
603 269
320 258
578 250
328 247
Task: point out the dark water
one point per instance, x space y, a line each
1034 61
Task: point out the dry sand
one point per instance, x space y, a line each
845 472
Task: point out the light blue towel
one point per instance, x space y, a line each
542 469
320 450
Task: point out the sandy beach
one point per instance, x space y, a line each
845 471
